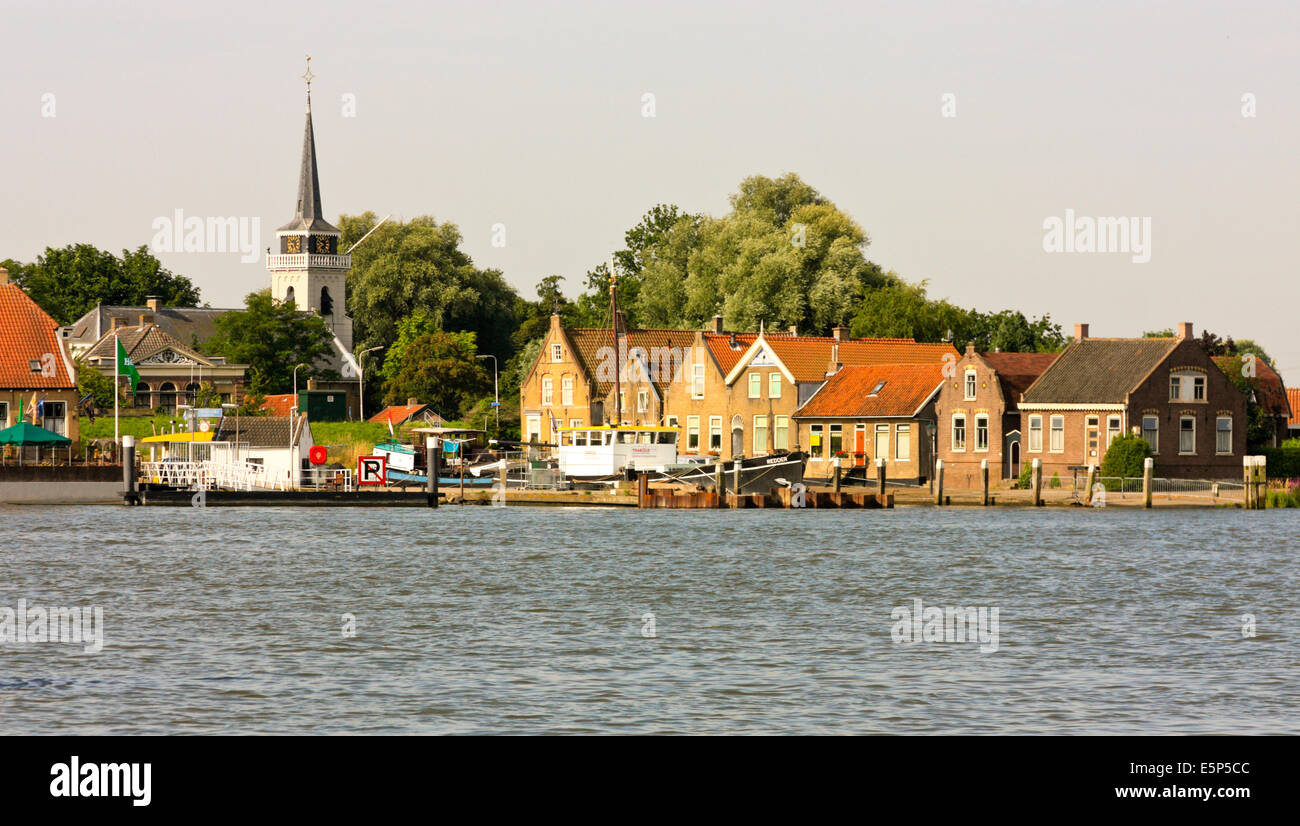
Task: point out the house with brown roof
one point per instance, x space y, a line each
1293 423
171 372
866 413
979 408
1168 390
278 444
36 371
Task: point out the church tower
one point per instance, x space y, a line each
308 268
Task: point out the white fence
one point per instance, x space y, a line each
205 475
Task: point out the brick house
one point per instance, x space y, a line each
171 373
883 411
1165 389
35 367
979 406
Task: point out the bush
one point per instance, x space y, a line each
1283 462
1055 481
1026 479
1126 456
1282 499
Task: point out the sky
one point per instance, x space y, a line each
532 115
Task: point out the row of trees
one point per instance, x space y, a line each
784 255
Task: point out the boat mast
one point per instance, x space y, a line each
613 323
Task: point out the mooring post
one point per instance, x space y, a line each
1037 481
737 479
432 470
642 489
880 475
1087 489
984 480
128 470
1148 468
1261 482
720 483
1248 473
837 471
938 482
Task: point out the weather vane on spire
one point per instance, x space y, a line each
308 76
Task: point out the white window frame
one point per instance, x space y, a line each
902 442
693 429
697 383
971 386
1175 387
1114 429
557 352
1155 431
755 385
781 432
1182 419
670 421
774 385
759 425
1052 431
981 417
817 443
1035 429
642 401
1198 388
566 391
548 391
715 429
959 447
875 442
1218 431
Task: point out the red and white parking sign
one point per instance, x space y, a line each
372 470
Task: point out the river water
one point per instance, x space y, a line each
532 620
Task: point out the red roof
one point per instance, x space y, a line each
875 391
28 333
279 404
1293 396
1016 371
400 413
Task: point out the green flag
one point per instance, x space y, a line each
124 366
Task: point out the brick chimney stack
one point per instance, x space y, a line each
840 333
1185 329
717 324
4 276
1080 332
153 302
794 330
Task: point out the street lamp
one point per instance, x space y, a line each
496 390
293 414
361 377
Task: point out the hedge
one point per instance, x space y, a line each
1283 462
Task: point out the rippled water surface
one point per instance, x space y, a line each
476 619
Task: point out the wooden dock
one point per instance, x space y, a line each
782 497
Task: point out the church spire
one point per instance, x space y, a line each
309 216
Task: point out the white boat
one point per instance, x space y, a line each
605 450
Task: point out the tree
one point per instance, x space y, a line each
439 369
68 282
272 337
417 265
91 382
1126 456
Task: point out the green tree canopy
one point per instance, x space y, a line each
417 265
69 281
438 368
272 337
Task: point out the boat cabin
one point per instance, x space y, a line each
605 450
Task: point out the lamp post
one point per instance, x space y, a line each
496 390
361 377
293 414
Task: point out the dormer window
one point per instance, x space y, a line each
880 385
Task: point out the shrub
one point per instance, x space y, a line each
1283 462
1126 456
1026 479
1055 481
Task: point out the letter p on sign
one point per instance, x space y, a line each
371 470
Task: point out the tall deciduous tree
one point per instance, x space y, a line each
272 337
438 368
68 281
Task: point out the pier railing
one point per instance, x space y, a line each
206 475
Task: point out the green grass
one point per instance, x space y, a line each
138 426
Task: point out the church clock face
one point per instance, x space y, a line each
322 245
293 244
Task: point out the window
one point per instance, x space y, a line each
958 431
760 434
902 442
4 413
1036 434
1223 435
837 439
1187 435
693 433
548 391
1092 434
576 436
566 391
970 385
54 417
774 385
142 397
642 401
622 401
1175 388
981 432
755 385
557 352
815 446
1198 388
697 386
1187 386
1151 432
1057 443
1112 430
670 421
715 433
781 433
882 441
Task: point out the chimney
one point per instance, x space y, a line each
840 333
146 318
1185 329
835 365
1080 332
152 302
794 329
4 276
970 348
115 322
412 402
717 324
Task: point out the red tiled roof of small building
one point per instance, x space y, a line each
900 390
28 333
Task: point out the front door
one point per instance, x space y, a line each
859 445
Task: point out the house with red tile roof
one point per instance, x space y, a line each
36 372
863 414
1293 423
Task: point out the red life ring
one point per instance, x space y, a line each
317 455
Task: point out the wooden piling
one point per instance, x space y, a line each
984 481
129 496
432 469
938 482
1148 468
719 483
642 490
1087 486
737 474
836 485
880 475
1247 479
1037 481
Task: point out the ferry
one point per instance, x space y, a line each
601 451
